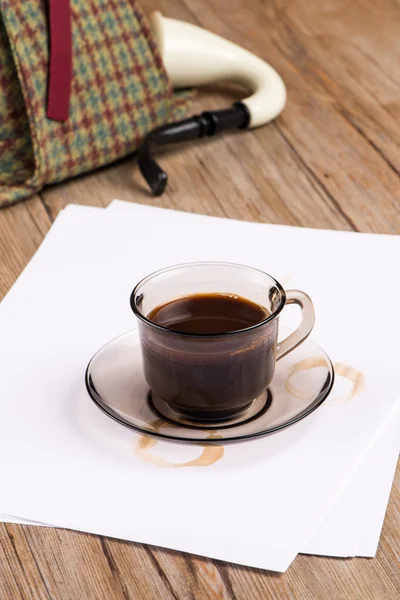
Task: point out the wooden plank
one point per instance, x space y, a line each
22 228
78 565
355 177
331 160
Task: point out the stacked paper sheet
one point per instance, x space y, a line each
319 487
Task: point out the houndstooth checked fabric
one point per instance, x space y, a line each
120 91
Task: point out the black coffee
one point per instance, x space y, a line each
208 313
209 377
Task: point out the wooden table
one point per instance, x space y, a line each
331 160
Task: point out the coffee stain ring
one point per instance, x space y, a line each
210 454
356 378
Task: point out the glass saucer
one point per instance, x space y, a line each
115 382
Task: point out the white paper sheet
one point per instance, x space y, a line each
353 526
58 442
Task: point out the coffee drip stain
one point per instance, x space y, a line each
157 424
209 456
304 365
356 378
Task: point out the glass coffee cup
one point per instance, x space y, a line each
213 376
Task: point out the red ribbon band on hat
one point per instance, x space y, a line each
60 70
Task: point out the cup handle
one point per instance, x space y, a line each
306 323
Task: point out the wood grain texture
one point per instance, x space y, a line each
331 160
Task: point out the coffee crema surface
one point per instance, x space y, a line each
208 314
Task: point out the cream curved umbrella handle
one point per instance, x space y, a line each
193 57
306 323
